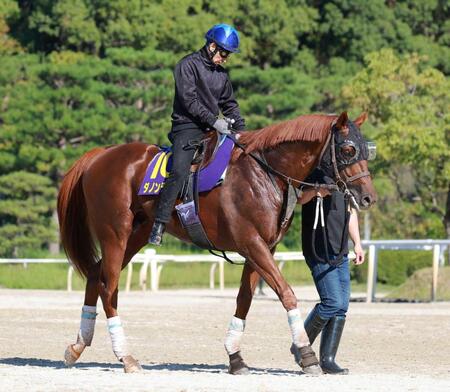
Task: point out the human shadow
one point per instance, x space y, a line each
172 367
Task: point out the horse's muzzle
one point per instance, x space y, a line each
367 201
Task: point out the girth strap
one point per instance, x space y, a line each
290 198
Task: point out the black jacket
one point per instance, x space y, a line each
336 217
201 90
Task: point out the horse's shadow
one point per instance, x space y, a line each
173 367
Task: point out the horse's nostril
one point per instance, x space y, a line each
366 200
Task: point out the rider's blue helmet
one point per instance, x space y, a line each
224 36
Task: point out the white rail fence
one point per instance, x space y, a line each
154 263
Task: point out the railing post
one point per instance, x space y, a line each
143 275
212 271
129 276
150 253
221 275
69 278
434 282
371 274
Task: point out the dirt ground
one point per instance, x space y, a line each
178 338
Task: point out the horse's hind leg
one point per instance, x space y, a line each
235 331
113 244
89 311
88 317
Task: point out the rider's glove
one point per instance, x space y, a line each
221 125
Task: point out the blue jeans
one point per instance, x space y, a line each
333 286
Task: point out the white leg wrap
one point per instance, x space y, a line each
299 336
119 344
234 335
87 326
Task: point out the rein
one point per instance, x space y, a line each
340 181
284 177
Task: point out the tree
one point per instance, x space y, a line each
409 110
9 11
26 204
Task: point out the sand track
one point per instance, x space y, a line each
178 338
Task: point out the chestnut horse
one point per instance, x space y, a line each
98 203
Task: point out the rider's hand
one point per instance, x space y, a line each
221 125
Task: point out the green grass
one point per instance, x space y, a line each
173 275
418 286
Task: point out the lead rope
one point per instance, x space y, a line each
320 213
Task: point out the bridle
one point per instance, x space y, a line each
340 182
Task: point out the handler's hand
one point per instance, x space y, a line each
309 193
359 253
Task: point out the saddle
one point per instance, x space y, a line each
210 162
208 170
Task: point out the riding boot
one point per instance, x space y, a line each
157 233
313 325
331 336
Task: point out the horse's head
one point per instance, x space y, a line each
346 159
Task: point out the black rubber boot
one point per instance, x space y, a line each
329 344
157 233
313 325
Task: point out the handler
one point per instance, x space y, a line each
202 88
332 276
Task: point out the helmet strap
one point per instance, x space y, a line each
213 52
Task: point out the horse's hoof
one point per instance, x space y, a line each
131 365
237 365
240 372
308 361
313 370
70 356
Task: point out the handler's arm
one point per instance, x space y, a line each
353 230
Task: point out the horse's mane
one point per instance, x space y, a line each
308 128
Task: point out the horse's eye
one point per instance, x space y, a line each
348 151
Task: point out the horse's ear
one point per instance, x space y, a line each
342 120
361 119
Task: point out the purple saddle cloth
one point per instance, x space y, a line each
209 177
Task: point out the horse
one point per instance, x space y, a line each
104 223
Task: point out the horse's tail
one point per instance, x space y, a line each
76 236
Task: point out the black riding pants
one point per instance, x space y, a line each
182 155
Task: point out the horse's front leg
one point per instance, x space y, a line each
261 259
236 328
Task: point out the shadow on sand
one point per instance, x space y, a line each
173 367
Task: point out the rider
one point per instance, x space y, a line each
332 281
202 89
